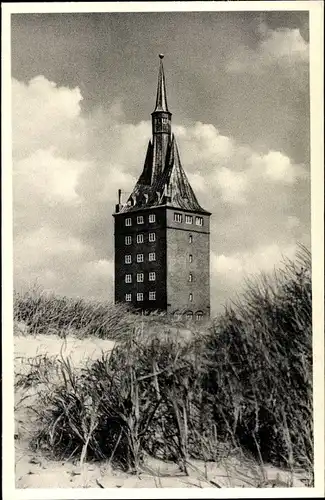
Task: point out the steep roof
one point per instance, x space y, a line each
172 187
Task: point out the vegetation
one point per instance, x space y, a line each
245 383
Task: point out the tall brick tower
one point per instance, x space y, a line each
162 234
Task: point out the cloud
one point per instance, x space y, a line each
238 265
47 176
235 171
67 168
284 47
46 116
231 184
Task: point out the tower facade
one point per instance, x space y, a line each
162 234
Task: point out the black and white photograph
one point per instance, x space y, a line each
163 293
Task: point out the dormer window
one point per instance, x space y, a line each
199 315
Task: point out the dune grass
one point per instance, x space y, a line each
244 384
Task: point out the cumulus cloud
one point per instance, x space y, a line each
46 116
233 170
285 47
48 176
264 258
67 169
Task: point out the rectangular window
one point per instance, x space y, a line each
152 256
152 236
190 258
128 240
140 219
152 295
178 217
128 278
140 257
199 221
140 277
152 276
139 238
128 259
128 221
152 218
191 297
190 238
139 297
128 297
190 277
188 219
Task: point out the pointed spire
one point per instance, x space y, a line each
161 101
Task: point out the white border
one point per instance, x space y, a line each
315 9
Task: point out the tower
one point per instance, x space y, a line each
162 234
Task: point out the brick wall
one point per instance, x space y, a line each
173 267
158 266
179 267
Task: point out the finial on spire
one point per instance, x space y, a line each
161 101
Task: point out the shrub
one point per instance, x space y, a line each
260 376
45 313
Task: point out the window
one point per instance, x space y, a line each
152 276
152 295
190 277
139 238
177 315
128 259
199 221
139 297
128 278
178 217
152 236
189 315
190 297
140 257
140 277
199 315
152 257
190 238
128 297
190 258
128 240
188 219
128 221
140 219
152 218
